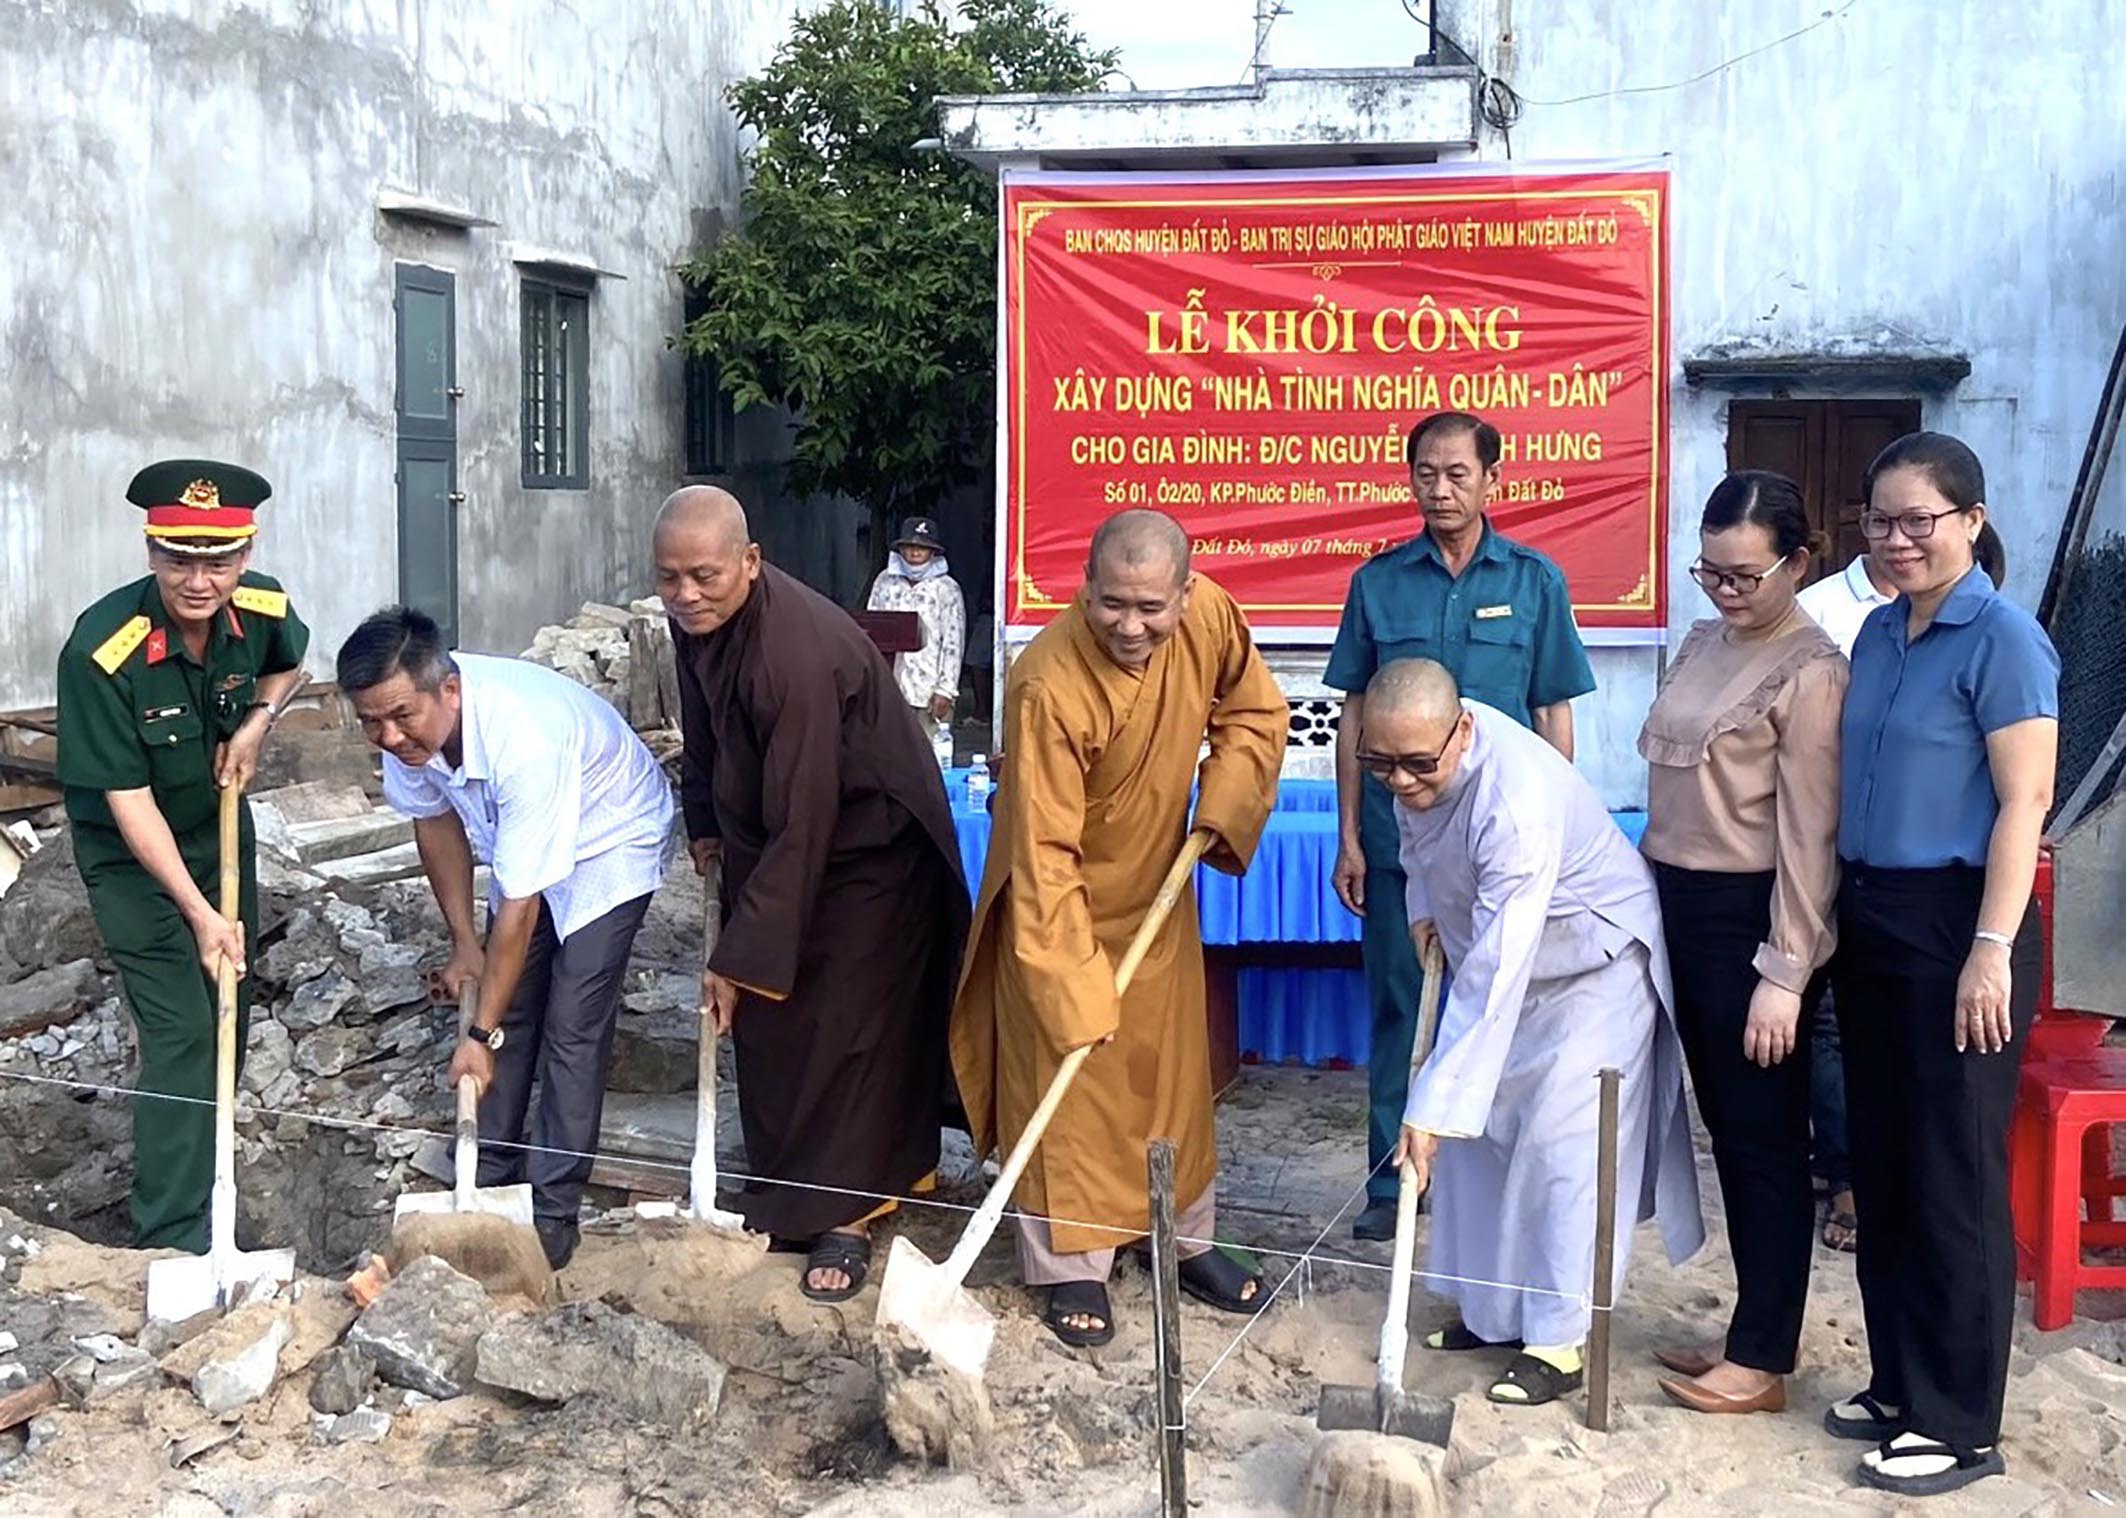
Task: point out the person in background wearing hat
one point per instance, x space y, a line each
168 688
918 579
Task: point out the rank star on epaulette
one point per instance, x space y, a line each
119 646
266 603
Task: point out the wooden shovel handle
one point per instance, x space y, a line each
1162 905
711 914
1435 968
232 811
465 1146
1395 1326
702 1178
984 1223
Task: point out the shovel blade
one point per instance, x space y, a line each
1345 1408
510 1203
705 1210
1376 1410
933 1310
192 1284
182 1288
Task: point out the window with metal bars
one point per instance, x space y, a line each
556 386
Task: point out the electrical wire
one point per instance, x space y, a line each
1703 74
1501 106
1496 101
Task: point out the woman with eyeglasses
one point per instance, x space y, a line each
1951 735
1741 827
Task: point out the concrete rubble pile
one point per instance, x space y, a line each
341 1095
342 1107
78 1361
625 655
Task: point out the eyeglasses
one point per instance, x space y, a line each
1417 766
1913 524
1745 585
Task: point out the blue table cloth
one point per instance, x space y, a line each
1316 1015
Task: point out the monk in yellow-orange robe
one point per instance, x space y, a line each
1107 712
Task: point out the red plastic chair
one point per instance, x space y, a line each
2061 1163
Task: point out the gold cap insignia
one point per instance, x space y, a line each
201 495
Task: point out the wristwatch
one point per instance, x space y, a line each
492 1037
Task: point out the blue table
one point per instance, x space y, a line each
1314 1013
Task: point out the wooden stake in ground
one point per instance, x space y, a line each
1605 1263
1166 1335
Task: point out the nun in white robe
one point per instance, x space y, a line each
1549 922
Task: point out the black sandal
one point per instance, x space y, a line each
849 1253
1540 1380
1878 1427
1079 1299
1456 1339
1217 1278
1847 1223
1970 1466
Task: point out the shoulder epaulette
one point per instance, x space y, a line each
267 603
119 646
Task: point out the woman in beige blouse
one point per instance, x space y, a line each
1742 829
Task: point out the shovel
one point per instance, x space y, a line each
182 1288
924 1311
701 1171
1384 1407
505 1206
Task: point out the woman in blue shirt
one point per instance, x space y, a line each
1949 741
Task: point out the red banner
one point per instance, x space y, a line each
1247 353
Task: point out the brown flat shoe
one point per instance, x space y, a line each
1686 1362
1771 1400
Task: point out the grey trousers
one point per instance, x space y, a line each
558 1032
1040 1265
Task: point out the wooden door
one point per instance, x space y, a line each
1824 447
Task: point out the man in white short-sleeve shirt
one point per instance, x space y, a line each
1839 603
524 770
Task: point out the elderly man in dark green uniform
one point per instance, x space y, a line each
1497 614
167 690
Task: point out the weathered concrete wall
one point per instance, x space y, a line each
191 262
1908 176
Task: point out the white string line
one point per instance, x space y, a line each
1310 1256
1297 1266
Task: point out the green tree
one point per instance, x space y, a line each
859 291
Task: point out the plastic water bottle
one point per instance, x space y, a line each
978 785
941 746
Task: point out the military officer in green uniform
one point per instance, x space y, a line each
167 690
1498 615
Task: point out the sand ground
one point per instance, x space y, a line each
799 1431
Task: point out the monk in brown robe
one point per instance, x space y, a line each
806 775
1106 712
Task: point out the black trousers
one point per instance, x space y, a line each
1930 1145
1758 1118
559 1031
